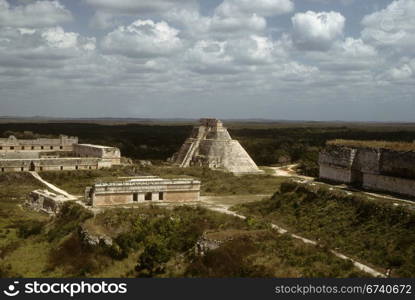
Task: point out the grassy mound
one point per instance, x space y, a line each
378 233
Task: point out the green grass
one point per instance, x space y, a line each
371 231
254 250
14 188
222 183
213 182
34 245
75 182
58 250
31 259
268 254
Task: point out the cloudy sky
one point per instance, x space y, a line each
274 59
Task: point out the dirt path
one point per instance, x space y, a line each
209 203
410 204
53 187
389 197
289 171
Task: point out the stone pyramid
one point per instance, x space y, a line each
211 145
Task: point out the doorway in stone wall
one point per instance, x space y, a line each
148 196
32 167
356 177
135 197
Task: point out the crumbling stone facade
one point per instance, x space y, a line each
51 164
59 154
210 145
372 168
148 188
87 150
45 201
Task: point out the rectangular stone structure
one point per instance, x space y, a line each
378 169
141 190
110 154
61 154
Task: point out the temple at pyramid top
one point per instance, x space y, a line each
210 145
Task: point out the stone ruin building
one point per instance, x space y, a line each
373 168
46 201
140 190
145 189
210 145
63 153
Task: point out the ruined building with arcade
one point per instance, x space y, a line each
210 145
379 166
63 153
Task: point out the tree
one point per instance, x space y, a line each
155 255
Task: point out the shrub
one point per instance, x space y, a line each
156 253
27 228
229 260
68 219
77 258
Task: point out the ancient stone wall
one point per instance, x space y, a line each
389 184
20 155
375 169
59 154
87 150
400 164
63 143
367 160
134 191
112 199
178 196
45 201
53 164
337 156
334 173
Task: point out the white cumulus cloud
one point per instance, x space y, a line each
317 30
143 38
392 26
36 14
56 37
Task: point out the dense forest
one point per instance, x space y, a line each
268 144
